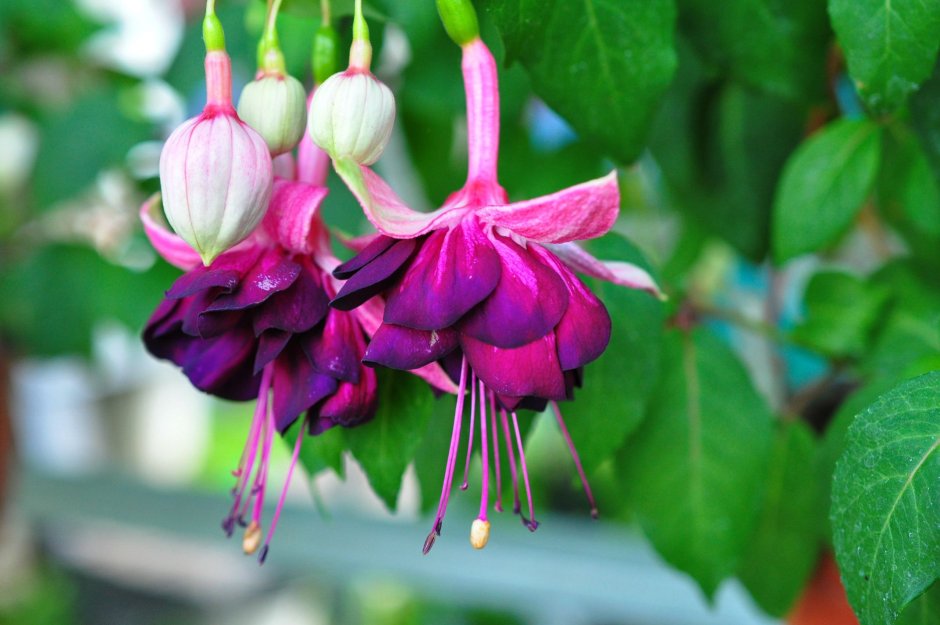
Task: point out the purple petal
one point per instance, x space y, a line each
528 302
398 347
373 250
531 369
274 272
210 325
453 271
270 345
223 366
373 277
337 349
297 387
223 274
162 335
352 404
584 330
296 309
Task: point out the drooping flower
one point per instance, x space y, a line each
256 324
487 287
215 170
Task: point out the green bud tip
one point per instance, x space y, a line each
460 20
212 33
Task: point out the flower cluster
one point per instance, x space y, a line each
479 297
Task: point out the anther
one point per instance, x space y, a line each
479 533
252 539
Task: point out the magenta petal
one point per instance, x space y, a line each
584 330
374 277
293 217
452 272
337 349
270 345
223 365
296 309
531 369
297 387
170 246
584 211
210 325
271 274
616 272
528 302
376 247
399 347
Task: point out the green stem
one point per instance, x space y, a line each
270 57
460 20
212 32
360 53
325 13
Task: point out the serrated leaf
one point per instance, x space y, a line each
890 45
886 501
601 64
693 469
384 446
599 426
779 47
841 313
780 556
824 185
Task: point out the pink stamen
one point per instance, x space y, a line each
498 506
516 505
283 497
485 453
249 453
261 480
473 412
482 85
451 460
531 523
576 458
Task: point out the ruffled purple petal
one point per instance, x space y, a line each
584 330
453 271
224 274
335 349
373 277
162 335
527 304
296 309
529 370
223 365
270 345
272 273
297 387
398 347
211 325
352 404
373 250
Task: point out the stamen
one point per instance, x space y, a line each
516 505
485 454
577 460
252 539
261 478
479 533
451 460
530 523
280 502
473 411
498 506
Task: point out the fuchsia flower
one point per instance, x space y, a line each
487 286
256 323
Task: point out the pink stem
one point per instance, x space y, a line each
576 458
482 87
451 460
473 412
499 479
485 453
283 497
219 82
516 505
532 524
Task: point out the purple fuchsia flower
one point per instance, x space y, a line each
256 324
488 288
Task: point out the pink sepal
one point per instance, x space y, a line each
616 272
293 217
584 211
171 247
385 210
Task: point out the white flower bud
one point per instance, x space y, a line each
276 107
351 116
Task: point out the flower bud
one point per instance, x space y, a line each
276 106
351 116
215 171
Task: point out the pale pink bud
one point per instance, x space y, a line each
351 116
215 171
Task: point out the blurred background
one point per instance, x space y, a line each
116 473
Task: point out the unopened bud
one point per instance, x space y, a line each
479 533
275 105
351 116
252 539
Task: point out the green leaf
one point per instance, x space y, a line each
385 445
324 451
601 64
431 455
599 426
781 554
924 610
779 47
886 501
925 118
890 45
694 469
823 187
841 313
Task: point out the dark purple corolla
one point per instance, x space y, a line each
487 287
